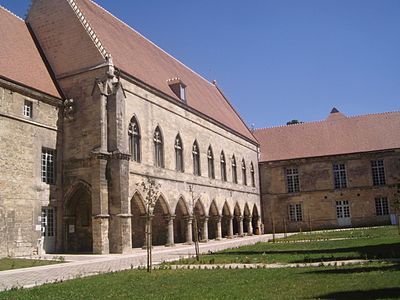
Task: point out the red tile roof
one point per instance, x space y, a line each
140 58
20 60
336 135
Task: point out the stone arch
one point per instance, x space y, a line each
246 218
226 220
237 219
213 220
138 223
180 221
78 218
161 212
255 220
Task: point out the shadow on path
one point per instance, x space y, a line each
369 294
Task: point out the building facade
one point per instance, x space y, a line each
340 172
129 112
29 135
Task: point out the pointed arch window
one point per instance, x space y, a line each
134 140
234 170
210 160
158 148
244 172
196 159
253 180
223 166
178 154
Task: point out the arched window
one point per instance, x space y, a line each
244 173
134 140
158 148
210 159
234 170
223 166
196 159
253 179
179 154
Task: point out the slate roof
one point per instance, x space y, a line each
336 135
140 58
20 60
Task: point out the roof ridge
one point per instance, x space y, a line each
11 13
89 29
321 121
137 32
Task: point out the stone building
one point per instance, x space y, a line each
340 172
130 112
29 138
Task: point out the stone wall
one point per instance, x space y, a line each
318 196
22 192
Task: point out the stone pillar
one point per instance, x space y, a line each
100 214
219 228
118 167
258 226
230 227
240 220
170 236
250 226
205 230
189 233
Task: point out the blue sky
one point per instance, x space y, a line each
279 60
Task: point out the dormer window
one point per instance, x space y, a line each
178 87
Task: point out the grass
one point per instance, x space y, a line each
351 282
372 243
17 263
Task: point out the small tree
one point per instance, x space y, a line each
292 122
150 189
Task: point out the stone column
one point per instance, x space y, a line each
205 230
170 236
259 225
230 227
100 214
240 220
219 228
250 226
189 234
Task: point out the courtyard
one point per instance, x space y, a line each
355 263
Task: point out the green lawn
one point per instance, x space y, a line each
382 242
16 263
351 282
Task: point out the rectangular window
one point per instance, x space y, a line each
295 212
28 106
48 221
381 206
342 209
292 179
378 172
339 172
48 166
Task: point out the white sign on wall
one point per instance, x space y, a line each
71 228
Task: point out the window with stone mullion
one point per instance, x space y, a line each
158 149
253 181
210 160
223 167
179 154
196 159
134 143
234 170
